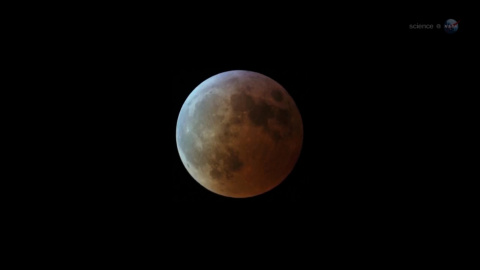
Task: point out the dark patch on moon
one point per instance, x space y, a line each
277 95
232 162
260 114
225 163
258 111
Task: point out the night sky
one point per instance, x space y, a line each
373 103
389 129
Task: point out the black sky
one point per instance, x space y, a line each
387 118
372 100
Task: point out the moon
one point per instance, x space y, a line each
239 134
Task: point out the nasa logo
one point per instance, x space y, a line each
451 26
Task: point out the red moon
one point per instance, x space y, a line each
239 134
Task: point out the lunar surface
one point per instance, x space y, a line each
239 134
